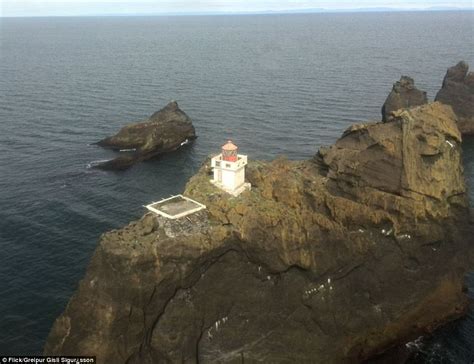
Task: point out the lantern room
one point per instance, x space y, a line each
229 169
229 151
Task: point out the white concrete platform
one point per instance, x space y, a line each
175 207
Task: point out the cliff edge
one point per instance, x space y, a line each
330 260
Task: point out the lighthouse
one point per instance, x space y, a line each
229 169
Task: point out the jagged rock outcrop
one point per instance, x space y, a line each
330 260
458 91
165 131
404 95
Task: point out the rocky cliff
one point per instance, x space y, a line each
458 91
330 260
404 95
165 131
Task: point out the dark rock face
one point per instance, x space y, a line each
165 131
331 260
458 92
404 95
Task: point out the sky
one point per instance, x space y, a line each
155 7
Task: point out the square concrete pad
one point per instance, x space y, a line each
175 207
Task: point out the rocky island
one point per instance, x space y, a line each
404 95
164 131
330 260
457 91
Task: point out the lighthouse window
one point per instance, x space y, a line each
218 164
227 165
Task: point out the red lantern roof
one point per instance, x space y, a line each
229 146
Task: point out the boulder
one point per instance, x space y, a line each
404 95
458 92
165 131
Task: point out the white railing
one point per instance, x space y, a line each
217 161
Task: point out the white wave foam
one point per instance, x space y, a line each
95 163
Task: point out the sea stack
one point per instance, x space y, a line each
165 131
328 260
458 92
404 95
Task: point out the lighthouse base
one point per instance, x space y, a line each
234 192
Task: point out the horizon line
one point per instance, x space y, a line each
250 12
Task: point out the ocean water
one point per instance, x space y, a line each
275 84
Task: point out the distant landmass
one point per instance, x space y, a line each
362 10
151 12
295 11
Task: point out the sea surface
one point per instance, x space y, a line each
275 84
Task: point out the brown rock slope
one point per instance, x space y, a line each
404 95
330 260
164 131
458 91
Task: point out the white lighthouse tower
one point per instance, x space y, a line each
229 169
